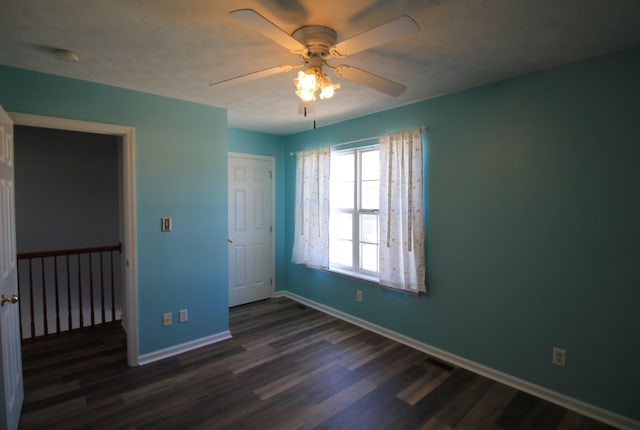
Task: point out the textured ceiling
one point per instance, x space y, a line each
177 48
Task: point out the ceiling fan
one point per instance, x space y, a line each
316 44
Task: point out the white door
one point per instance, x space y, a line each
10 354
251 262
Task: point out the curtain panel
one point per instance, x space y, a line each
402 256
311 230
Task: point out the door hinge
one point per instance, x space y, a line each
270 174
271 281
270 229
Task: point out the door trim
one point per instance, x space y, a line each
272 160
129 207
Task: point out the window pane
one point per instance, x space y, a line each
369 257
341 226
342 166
370 165
370 195
342 195
341 252
369 228
342 180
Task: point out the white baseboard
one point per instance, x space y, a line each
576 405
183 347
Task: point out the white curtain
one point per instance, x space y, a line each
311 232
402 263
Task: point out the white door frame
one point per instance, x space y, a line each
271 159
129 208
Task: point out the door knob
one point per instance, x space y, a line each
11 299
230 240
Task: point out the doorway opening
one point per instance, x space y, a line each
124 305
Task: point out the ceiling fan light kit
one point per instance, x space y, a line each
316 44
314 83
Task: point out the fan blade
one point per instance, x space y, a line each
385 33
370 80
252 76
269 29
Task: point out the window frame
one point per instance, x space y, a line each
356 211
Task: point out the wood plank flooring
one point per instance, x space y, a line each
287 367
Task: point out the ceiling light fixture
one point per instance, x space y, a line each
313 83
316 44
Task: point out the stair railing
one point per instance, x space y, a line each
69 289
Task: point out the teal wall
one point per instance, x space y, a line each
534 232
251 142
533 204
181 172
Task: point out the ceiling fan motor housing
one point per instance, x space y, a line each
318 39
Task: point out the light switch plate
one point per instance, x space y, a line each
165 224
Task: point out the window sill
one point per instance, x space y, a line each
355 276
361 277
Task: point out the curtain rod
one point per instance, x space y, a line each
422 128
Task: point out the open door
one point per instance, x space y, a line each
11 389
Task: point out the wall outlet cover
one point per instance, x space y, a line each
167 319
559 357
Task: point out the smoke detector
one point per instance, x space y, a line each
66 55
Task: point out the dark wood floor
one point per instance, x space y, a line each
286 367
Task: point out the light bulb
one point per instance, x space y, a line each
306 95
327 92
311 81
306 81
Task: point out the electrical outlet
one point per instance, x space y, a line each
165 224
359 296
559 357
167 319
183 315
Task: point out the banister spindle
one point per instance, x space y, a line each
102 287
113 290
31 300
55 274
80 292
44 299
69 308
93 315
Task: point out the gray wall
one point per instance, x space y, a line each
66 189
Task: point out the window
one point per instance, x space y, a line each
360 212
354 236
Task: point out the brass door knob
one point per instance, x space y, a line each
11 299
230 240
